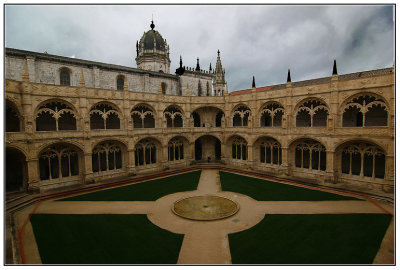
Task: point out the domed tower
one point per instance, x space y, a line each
152 52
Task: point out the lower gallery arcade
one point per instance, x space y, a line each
64 163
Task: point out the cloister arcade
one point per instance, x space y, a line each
197 134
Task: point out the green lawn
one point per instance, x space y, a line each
310 239
264 190
103 239
144 191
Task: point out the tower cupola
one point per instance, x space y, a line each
153 52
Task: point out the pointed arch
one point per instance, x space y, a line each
364 109
174 116
55 115
271 114
58 161
308 154
269 151
311 112
105 115
240 116
108 156
361 159
143 116
146 153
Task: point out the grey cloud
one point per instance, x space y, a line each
259 40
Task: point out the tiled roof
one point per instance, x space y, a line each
368 73
350 76
312 81
259 89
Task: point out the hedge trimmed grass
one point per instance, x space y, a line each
103 239
264 190
144 191
311 239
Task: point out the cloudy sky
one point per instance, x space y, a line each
259 40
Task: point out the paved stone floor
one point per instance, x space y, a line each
205 242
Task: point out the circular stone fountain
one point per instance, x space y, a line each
207 207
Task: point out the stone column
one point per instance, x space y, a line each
164 161
191 147
130 166
250 155
285 162
223 154
88 174
33 175
330 157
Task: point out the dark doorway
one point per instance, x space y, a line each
196 119
197 150
218 149
16 170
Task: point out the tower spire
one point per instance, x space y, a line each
152 23
289 79
198 65
334 71
180 70
253 85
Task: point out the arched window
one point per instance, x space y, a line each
199 90
13 123
310 154
142 117
239 148
145 153
208 89
120 82
163 88
106 157
366 110
104 116
241 116
270 151
174 117
271 115
65 77
364 160
57 162
312 113
175 150
55 116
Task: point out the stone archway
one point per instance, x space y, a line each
207 147
16 170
